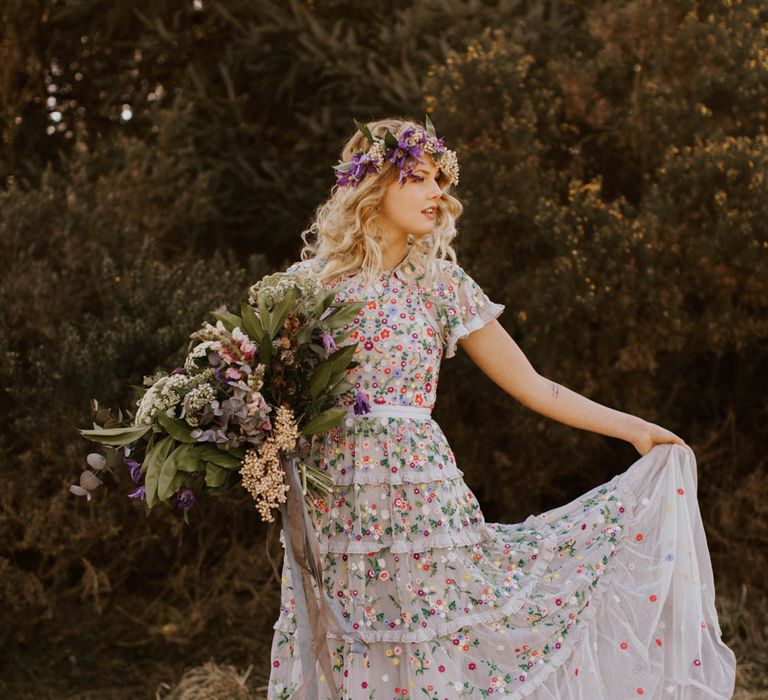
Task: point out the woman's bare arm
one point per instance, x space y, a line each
494 351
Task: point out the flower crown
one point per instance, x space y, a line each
404 152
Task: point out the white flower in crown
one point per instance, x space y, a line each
405 153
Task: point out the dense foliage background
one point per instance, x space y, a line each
158 156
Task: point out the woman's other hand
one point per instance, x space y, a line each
653 434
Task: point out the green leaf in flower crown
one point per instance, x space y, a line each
390 140
251 325
115 436
175 427
228 319
153 461
281 311
324 421
365 130
215 475
430 127
219 457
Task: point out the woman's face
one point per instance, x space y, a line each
403 207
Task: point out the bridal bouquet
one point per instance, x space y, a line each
253 389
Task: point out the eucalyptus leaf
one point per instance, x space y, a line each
115 436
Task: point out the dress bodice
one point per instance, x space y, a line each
407 327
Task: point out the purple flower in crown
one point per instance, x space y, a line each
438 144
407 153
362 404
184 499
361 165
404 152
135 468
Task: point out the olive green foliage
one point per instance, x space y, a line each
614 159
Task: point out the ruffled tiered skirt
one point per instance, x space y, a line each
609 596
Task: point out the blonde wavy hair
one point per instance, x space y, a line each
344 229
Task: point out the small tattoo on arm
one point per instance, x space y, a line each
555 389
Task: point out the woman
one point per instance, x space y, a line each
609 596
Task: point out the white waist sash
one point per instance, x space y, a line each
390 409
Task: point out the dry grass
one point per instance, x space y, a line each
209 682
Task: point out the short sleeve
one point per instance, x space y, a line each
464 306
301 267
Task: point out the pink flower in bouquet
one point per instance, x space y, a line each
234 373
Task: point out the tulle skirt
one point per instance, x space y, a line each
609 596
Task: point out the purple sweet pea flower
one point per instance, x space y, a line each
139 493
362 404
328 342
184 499
178 370
135 468
361 165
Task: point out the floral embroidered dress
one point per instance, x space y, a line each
610 596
